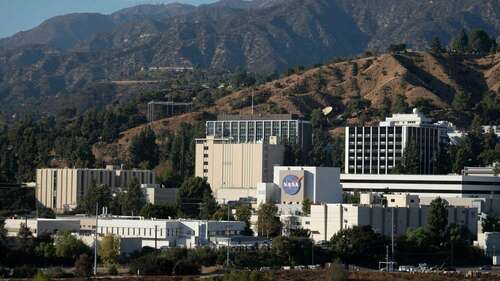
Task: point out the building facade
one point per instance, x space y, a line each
424 185
328 219
137 233
233 170
61 189
317 184
377 150
253 128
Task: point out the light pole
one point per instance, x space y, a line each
95 237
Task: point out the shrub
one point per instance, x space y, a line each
336 272
57 272
40 276
83 266
187 267
24 271
112 270
151 264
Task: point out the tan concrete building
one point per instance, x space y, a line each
327 219
233 170
61 189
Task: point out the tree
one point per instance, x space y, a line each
222 213
360 245
83 266
490 224
109 249
69 247
133 199
437 221
461 101
424 105
461 42
25 242
190 197
209 206
410 162
143 150
397 48
95 194
46 250
306 206
268 222
436 46
158 211
399 104
480 42
244 213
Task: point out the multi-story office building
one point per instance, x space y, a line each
377 150
233 170
61 189
254 128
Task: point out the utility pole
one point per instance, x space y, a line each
95 237
392 235
156 237
227 233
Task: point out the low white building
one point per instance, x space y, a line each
489 242
326 220
135 233
158 195
424 185
42 226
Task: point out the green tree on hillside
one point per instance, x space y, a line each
480 41
143 150
399 104
460 43
436 46
461 101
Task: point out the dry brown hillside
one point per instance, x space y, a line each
376 79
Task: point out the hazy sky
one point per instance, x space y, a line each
18 15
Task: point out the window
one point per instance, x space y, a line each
393 200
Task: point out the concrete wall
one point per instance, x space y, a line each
233 170
61 189
41 226
328 219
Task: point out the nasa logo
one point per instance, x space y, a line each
291 184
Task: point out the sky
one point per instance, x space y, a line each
19 15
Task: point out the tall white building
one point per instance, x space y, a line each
61 189
377 150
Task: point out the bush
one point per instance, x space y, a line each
151 264
83 266
336 272
57 272
24 271
112 270
187 267
40 276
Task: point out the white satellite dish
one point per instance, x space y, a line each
327 110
